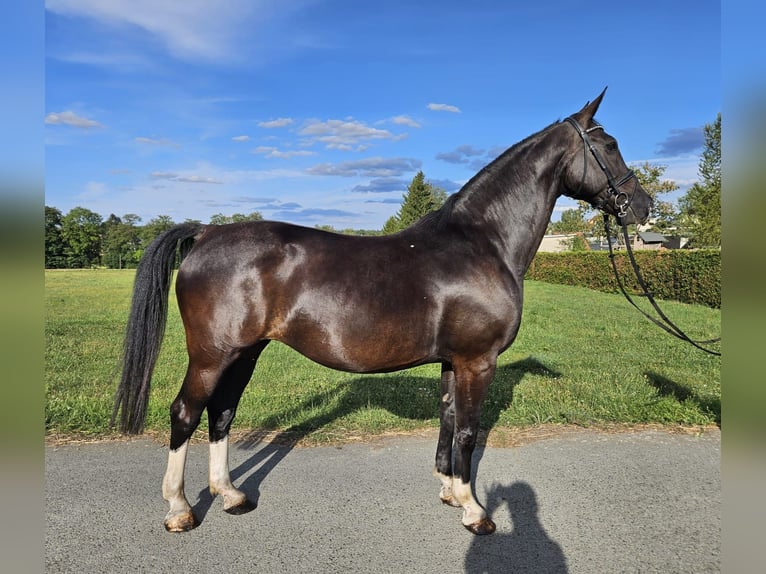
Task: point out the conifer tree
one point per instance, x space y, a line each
421 199
701 206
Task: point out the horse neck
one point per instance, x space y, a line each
512 198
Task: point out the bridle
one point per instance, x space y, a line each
620 199
621 202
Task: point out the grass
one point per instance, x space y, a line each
581 357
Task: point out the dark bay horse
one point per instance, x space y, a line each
446 290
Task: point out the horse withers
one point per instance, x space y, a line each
446 290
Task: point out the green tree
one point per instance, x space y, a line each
81 231
701 206
121 241
221 219
649 175
664 216
54 242
421 199
572 221
391 226
154 227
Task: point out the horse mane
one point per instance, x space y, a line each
493 175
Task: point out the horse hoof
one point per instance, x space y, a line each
450 501
482 527
242 508
181 522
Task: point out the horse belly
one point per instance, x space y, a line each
361 342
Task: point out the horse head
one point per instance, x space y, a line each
596 172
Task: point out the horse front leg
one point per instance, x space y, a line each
472 381
443 466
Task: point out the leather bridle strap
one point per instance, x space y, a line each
665 324
621 200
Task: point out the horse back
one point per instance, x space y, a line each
363 304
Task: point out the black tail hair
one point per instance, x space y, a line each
146 323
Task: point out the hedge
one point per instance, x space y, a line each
686 276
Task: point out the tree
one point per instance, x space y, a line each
650 177
121 241
701 206
154 227
572 221
663 214
221 219
81 232
421 199
54 241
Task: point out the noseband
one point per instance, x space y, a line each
620 199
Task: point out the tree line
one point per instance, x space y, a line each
82 238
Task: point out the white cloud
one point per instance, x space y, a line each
277 123
443 108
69 118
155 141
93 190
191 29
405 121
184 178
343 135
273 152
369 167
242 138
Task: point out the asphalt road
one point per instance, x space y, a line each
579 502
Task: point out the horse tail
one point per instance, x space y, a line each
146 323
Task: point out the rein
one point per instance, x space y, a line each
622 203
666 324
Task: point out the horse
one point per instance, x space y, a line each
447 290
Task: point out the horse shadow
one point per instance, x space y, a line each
415 398
669 388
527 548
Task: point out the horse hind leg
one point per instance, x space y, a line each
180 517
185 414
443 465
202 378
221 411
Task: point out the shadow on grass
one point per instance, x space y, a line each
415 398
669 388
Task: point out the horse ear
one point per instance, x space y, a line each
586 114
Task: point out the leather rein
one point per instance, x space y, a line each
622 204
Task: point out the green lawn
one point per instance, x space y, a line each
581 357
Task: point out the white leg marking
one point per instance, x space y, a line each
218 476
473 512
173 482
445 493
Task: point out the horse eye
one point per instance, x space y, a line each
611 146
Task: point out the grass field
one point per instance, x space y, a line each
581 357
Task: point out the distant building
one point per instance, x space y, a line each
557 243
648 240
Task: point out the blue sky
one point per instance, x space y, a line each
322 111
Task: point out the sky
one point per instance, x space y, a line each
320 112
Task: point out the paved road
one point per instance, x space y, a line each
580 502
